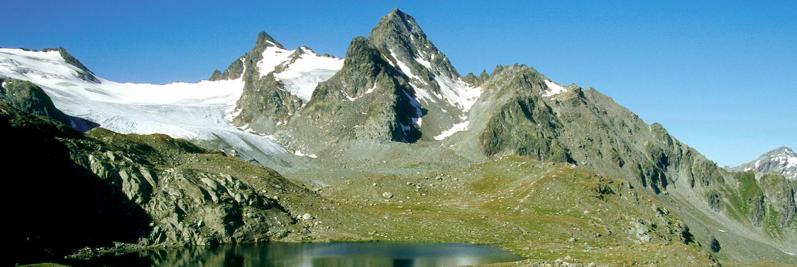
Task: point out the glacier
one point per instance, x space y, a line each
195 111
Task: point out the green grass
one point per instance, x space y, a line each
541 211
746 192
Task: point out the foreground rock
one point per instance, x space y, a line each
104 187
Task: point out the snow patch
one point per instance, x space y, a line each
423 62
25 65
300 154
370 90
458 127
271 57
404 68
305 73
300 75
455 91
458 93
553 89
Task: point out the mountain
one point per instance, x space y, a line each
445 97
781 160
396 111
367 99
427 88
277 82
104 193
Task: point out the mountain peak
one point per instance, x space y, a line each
399 36
397 15
396 24
265 40
784 150
781 160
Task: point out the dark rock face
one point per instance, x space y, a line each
59 206
234 71
367 95
591 130
143 190
263 102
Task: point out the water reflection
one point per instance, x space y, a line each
323 254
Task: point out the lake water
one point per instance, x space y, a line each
318 254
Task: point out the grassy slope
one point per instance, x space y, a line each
541 211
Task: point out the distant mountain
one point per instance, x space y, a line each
782 160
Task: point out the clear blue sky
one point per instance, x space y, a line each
720 75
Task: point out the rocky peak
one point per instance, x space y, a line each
236 68
368 95
264 40
399 36
438 87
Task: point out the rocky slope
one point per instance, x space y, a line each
523 112
782 160
105 187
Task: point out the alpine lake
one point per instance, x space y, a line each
314 254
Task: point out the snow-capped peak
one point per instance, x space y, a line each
782 160
786 158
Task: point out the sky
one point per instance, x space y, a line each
721 76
